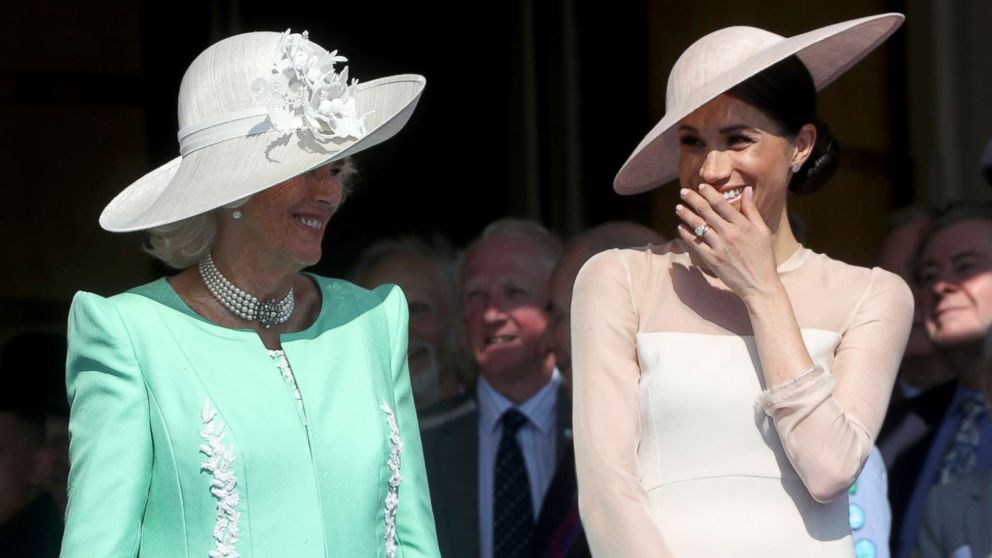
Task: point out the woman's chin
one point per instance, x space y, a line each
306 258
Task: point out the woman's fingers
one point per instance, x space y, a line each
696 225
720 205
749 210
696 245
702 207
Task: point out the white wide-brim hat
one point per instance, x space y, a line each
256 110
723 59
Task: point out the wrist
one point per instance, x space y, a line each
762 296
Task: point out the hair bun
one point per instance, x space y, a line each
821 164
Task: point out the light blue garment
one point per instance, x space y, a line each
537 440
871 517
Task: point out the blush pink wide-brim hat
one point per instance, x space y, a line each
723 59
256 110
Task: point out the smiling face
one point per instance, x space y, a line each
729 144
288 220
955 277
505 297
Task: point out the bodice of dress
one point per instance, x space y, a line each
680 446
286 371
190 438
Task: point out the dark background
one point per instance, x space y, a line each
530 109
450 170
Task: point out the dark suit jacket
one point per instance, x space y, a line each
450 436
958 514
904 442
559 532
35 531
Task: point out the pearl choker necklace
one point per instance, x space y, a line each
241 304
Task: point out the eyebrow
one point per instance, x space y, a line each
955 258
966 254
725 130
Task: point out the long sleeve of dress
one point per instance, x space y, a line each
827 422
612 502
415 531
110 438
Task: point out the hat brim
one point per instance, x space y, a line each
827 53
229 171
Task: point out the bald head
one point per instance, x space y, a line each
616 234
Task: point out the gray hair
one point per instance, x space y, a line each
524 229
951 215
436 250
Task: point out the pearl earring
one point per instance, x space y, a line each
795 168
236 214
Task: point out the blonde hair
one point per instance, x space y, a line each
184 243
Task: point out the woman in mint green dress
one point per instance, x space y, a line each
241 407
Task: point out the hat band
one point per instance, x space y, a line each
239 124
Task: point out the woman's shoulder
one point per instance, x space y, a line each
345 297
332 287
857 277
637 269
157 291
823 287
636 260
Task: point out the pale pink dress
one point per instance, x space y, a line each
679 448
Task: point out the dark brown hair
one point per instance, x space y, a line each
786 93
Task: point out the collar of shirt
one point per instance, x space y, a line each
539 409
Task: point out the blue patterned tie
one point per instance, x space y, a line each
962 454
513 513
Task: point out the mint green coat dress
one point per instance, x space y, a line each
186 440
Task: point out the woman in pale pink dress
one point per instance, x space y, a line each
729 385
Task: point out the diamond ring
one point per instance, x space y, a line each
701 229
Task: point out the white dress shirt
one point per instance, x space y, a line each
537 440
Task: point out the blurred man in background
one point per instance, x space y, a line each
945 432
426 274
492 452
33 446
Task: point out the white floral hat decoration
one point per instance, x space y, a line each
255 110
725 58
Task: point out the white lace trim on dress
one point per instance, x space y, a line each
223 485
395 478
282 363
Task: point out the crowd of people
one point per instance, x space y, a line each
725 392
490 331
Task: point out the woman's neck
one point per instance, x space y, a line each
262 277
784 243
